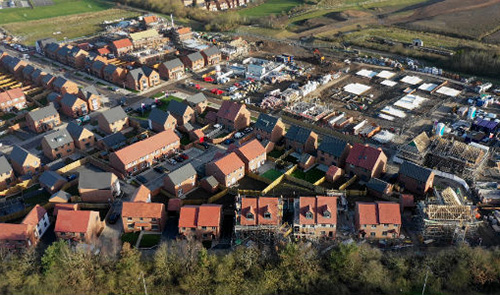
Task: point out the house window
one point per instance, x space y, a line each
129 218
372 234
309 215
386 225
327 214
323 233
141 218
374 226
203 227
131 226
214 228
384 233
153 219
250 216
267 215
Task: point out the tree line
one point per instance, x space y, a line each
185 267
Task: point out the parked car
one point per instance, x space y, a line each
159 169
248 130
179 159
172 161
217 126
71 177
113 217
129 110
238 135
184 156
141 179
205 145
228 141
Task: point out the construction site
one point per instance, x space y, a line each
448 217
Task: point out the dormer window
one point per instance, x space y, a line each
250 216
309 215
267 215
327 214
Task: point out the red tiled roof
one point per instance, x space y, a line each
307 204
150 19
184 30
209 215
188 216
229 110
367 213
72 221
145 147
229 163
317 206
122 43
268 204
103 51
35 215
11 94
13 232
251 150
363 156
142 194
59 207
148 210
388 213
248 205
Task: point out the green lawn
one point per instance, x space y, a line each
149 241
270 7
311 176
272 174
60 8
276 153
130 238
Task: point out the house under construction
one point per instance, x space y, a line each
416 149
456 157
260 219
446 216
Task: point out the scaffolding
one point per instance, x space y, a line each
445 217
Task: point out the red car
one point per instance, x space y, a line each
217 91
184 156
237 84
197 86
209 79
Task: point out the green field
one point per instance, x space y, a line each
60 8
71 26
270 7
272 174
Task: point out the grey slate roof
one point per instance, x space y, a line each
50 178
147 71
52 97
211 51
211 180
95 180
69 99
137 73
18 155
298 134
377 185
114 139
182 173
46 79
98 65
89 91
61 194
28 70
158 116
172 64
4 165
63 51
75 130
415 171
113 115
110 69
59 82
52 47
196 98
177 108
35 74
58 138
195 56
43 113
266 123
332 146
10 61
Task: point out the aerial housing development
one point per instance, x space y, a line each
155 138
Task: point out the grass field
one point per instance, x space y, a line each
311 176
71 26
272 174
270 7
60 8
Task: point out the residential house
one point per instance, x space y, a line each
112 142
62 54
209 183
98 187
141 194
227 170
269 128
172 69
194 61
379 220
180 181
301 140
76 57
333 173
7 176
159 120
365 162
114 74
42 43
198 102
142 154
152 75
15 236
181 34
211 56
64 86
142 78
93 98
91 59
47 80
138 216
54 98
333 151
265 212
122 46
36 76
58 144
38 220
51 181
378 188
148 38
73 106
43 119
14 65
201 222
27 71
60 197
233 115
97 68
113 120
65 207
24 162
78 226
51 50
83 138
181 112
252 154
306 161
315 217
415 178
12 99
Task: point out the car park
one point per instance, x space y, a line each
141 179
184 156
159 169
238 135
172 161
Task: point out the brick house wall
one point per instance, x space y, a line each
201 233
6 179
114 127
328 159
61 152
181 189
134 224
226 180
364 174
41 126
416 186
31 166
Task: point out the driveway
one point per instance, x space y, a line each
110 238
